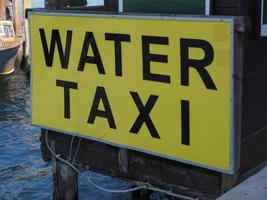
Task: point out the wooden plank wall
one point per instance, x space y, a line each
254 108
135 166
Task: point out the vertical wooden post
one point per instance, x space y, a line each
26 4
123 160
228 181
26 45
66 182
17 17
65 179
18 29
2 9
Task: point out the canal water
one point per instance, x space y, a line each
23 173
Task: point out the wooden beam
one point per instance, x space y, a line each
65 182
228 181
17 17
65 179
3 9
26 5
123 159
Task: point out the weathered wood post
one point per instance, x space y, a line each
123 162
26 45
17 17
65 178
26 4
65 182
17 20
2 9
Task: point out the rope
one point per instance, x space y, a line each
70 153
146 187
74 158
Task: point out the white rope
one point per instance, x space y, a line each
70 153
110 190
74 158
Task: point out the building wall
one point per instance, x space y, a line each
254 105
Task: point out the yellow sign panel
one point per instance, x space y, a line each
162 86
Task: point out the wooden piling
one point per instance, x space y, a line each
123 160
26 4
65 179
17 20
26 44
2 9
17 17
66 182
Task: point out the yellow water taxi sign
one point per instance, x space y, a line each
157 85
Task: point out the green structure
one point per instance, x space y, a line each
77 3
166 6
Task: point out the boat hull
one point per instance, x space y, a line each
7 60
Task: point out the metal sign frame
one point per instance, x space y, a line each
233 127
207 5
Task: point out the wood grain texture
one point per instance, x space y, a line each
65 182
17 17
166 174
2 9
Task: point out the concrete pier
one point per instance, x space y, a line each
254 188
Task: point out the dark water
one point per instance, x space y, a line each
23 174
